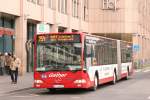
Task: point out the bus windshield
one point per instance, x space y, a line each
58 56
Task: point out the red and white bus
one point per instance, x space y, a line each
79 60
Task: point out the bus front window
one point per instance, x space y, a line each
58 56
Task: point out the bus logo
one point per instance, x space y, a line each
57 75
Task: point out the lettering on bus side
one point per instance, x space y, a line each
106 68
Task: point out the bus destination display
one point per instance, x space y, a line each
50 38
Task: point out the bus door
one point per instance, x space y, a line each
88 55
90 60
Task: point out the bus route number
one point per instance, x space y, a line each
41 38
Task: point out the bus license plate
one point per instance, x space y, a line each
58 86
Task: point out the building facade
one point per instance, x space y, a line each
126 20
122 19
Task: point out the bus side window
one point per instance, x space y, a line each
88 55
88 51
94 58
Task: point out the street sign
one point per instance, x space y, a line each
136 47
43 28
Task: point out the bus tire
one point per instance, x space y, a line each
51 90
127 76
114 78
95 84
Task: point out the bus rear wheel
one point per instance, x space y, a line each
127 76
114 79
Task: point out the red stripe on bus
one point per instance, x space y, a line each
105 80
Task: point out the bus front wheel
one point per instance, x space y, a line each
51 89
95 84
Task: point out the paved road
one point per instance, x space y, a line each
136 88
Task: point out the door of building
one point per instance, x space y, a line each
30 35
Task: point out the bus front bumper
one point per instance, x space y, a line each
40 84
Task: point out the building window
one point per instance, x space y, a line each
6 43
51 4
62 6
1 22
39 2
34 1
73 30
75 8
6 39
85 10
66 6
59 5
109 4
62 29
8 23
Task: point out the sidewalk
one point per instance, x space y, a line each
24 82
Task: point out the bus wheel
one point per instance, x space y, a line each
51 90
114 78
127 76
95 84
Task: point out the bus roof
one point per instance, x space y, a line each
98 36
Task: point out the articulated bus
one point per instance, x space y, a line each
79 60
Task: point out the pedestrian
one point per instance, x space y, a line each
8 59
2 64
1 71
15 65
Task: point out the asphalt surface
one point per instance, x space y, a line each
136 88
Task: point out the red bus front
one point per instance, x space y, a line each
59 61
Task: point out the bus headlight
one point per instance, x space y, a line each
80 81
38 81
